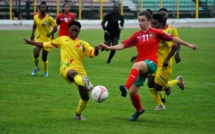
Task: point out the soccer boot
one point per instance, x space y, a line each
46 74
123 90
87 83
136 115
160 107
79 117
34 72
180 83
167 90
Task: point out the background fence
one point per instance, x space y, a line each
95 9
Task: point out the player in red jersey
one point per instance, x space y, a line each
146 41
63 19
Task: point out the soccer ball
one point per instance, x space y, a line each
99 94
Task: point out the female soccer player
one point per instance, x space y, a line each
73 50
42 24
63 19
115 23
146 41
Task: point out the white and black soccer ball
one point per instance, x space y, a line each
99 93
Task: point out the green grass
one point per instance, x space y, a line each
32 105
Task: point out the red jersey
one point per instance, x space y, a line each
63 21
147 43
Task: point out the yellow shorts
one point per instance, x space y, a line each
64 71
162 77
47 49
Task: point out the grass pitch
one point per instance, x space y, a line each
46 104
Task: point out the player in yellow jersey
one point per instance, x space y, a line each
72 52
172 31
44 27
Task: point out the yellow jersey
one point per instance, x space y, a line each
165 48
72 51
44 26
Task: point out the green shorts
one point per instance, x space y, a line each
142 77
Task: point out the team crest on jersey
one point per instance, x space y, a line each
46 23
150 35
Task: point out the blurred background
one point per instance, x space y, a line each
96 9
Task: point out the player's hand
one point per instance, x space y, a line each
133 58
165 63
48 35
103 46
177 58
194 47
26 40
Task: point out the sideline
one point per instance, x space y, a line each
96 24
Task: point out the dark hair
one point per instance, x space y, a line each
64 5
150 11
146 13
76 23
158 17
163 9
43 3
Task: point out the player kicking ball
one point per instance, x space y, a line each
73 50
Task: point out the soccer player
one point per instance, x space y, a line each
166 50
172 31
73 50
115 23
63 19
146 41
42 25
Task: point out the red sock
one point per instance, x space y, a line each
132 78
136 102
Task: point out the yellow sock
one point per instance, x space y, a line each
155 96
172 83
160 93
36 62
45 64
81 106
78 80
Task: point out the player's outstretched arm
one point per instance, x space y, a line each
116 47
180 41
33 43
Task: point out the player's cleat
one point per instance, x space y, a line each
167 90
180 83
160 107
46 74
87 83
123 90
136 115
79 117
163 100
35 71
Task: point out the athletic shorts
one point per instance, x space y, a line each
47 49
142 77
64 71
161 76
